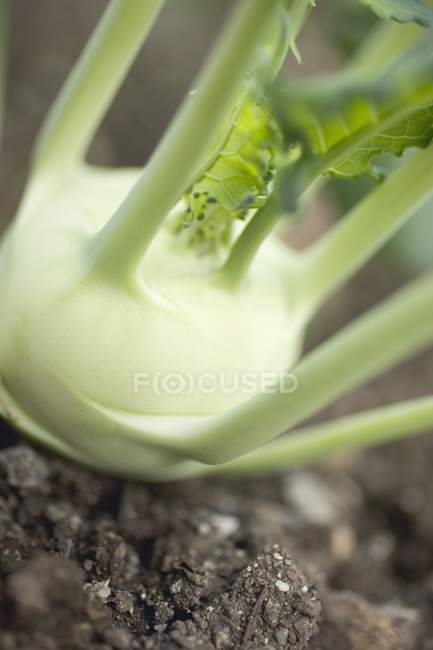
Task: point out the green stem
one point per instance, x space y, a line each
91 86
299 11
385 336
338 255
384 45
248 244
260 227
120 246
372 428
349 245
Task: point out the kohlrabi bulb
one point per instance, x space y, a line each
176 346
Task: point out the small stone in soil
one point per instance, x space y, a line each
24 469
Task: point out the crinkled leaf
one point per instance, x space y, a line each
341 123
403 11
414 131
270 55
237 174
237 181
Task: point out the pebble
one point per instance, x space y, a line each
161 628
313 499
342 542
321 502
100 590
176 587
24 468
225 525
124 602
204 528
281 636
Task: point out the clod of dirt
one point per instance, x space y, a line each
48 607
45 592
270 605
351 623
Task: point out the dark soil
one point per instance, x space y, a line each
91 563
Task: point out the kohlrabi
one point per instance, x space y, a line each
151 322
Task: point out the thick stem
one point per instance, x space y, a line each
248 244
368 429
93 83
338 255
385 336
120 246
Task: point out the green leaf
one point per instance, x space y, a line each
403 11
236 175
238 181
269 57
340 123
414 131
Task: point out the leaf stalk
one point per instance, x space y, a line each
93 83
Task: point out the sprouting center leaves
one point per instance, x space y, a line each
236 175
239 179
